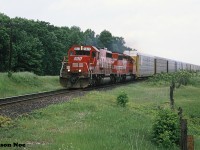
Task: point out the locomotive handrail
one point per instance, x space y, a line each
87 66
62 68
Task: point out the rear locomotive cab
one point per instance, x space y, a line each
76 72
122 68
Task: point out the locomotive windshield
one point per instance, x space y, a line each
81 52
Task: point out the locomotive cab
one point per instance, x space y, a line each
76 72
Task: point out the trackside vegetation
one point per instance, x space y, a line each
39 46
96 121
122 99
166 128
25 82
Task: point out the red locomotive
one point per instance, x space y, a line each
89 66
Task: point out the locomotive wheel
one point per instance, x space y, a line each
80 83
98 80
113 79
133 77
93 82
83 83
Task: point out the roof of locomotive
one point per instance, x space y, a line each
85 48
105 49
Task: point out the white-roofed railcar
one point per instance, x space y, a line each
171 66
160 65
188 67
145 65
184 66
179 66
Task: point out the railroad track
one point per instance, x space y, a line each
30 97
27 97
19 105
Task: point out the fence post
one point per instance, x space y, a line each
183 141
190 140
172 86
171 97
183 130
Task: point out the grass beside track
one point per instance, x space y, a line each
94 121
25 82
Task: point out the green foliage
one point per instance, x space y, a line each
89 38
183 77
94 122
89 122
9 74
122 99
26 82
166 130
180 78
39 47
105 39
4 121
4 48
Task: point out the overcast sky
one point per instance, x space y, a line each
166 28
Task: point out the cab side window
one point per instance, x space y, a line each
93 54
71 53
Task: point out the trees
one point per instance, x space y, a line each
105 39
28 54
89 38
39 47
113 43
4 42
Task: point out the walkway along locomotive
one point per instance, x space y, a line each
89 66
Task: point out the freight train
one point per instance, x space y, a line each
90 66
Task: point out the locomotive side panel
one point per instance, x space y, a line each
105 62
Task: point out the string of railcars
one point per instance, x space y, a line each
90 66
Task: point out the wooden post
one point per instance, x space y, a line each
171 97
183 140
172 86
183 126
180 111
190 144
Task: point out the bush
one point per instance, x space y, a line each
9 74
122 99
4 121
166 129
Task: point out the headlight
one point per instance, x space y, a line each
79 70
68 70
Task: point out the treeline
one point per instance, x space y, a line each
39 47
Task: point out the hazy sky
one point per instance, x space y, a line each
166 28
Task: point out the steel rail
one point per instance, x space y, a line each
26 97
